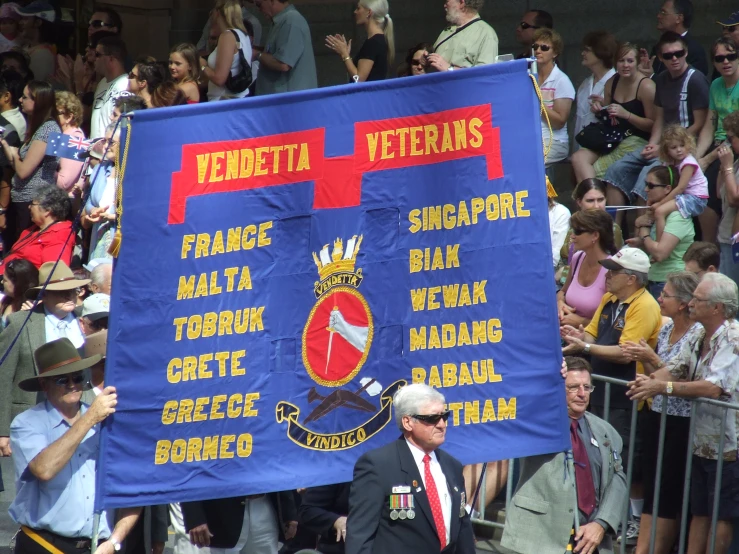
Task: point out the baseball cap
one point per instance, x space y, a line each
628 258
38 8
8 11
730 21
96 306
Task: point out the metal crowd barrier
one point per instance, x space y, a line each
684 522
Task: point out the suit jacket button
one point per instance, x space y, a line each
243 503
570 510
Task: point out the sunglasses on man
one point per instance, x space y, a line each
676 54
62 381
99 23
432 419
727 57
525 26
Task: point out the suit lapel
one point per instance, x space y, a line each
36 334
605 446
408 466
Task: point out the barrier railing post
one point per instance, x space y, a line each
686 483
629 471
607 402
717 486
658 475
483 490
509 483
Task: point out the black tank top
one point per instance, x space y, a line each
634 106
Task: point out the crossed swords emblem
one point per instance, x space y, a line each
343 397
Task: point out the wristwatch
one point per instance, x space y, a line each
586 349
116 545
451 68
668 388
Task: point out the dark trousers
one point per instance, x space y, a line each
24 544
18 219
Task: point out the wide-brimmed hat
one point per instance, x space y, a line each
58 357
59 277
96 344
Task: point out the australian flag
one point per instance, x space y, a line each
66 146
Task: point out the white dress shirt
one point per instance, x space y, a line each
64 328
441 485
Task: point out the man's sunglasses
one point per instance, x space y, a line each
432 419
98 23
542 47
727 57
64 379
677 54
525 26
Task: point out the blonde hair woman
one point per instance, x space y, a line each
224 60
69 117
377 53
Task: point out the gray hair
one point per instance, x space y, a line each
98 275
641 278
474 5
409 400
723 291
55 200
684 283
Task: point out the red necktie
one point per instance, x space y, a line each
583 472
433 496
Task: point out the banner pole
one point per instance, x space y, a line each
95 532
571 468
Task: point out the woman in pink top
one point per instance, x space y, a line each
69 108
592 237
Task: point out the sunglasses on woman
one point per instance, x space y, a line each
676 54
432 419
727 57
579 232
542 47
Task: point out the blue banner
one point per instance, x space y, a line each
288 262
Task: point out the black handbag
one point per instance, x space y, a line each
602 137
242 80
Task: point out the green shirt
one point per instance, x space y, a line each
683 229
723 101
476 44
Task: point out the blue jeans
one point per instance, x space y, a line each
629 175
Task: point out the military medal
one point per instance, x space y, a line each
402 514
462 506
394 505
410 512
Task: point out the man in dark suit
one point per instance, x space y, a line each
409 496
251 524
541 516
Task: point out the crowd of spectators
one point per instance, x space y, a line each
651 139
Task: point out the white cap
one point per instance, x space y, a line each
92 264
96 306
630 258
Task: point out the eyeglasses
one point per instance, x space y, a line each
574 389
651 186
525 26
676 54
542 47
62 381
432 419
727 57
97 23
665 12
69 293
663 295
579 232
